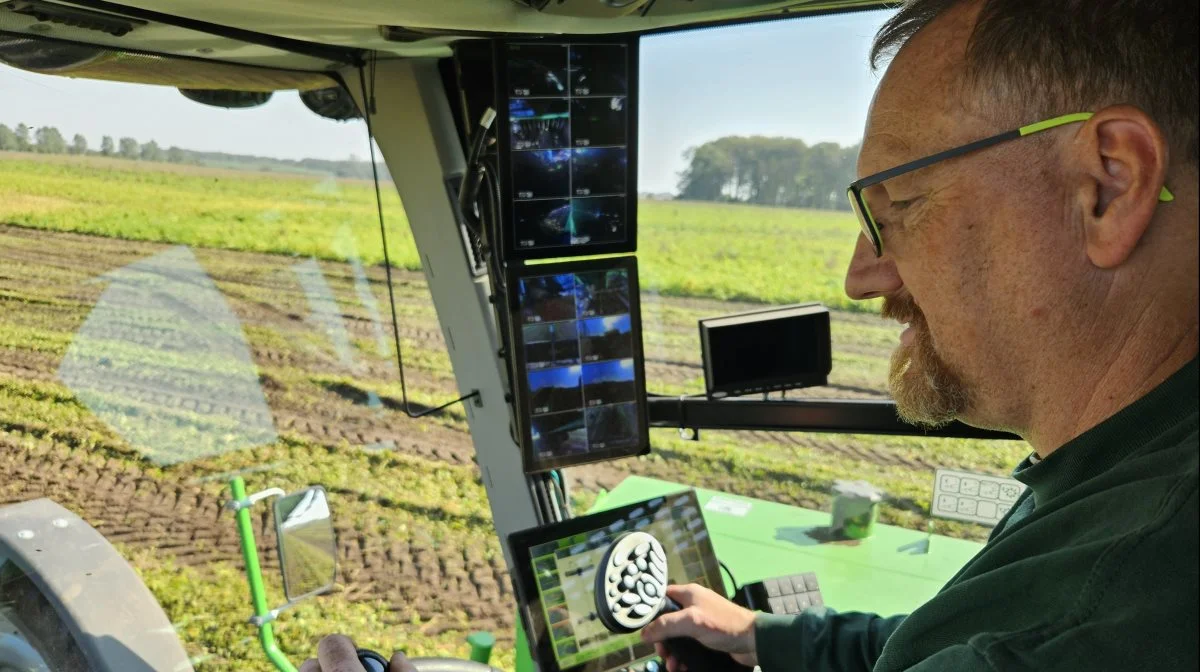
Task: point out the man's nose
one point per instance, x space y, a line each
869 276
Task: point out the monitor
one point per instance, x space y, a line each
554 570
577 341
567 127
766 350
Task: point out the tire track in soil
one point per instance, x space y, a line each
192 525
188 522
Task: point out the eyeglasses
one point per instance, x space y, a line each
871 228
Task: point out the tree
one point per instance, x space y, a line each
8 139
106 146
152 152
710 170
769 171
23 144
79 144
176 155
50 141
130 149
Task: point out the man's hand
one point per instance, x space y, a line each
707 618
336 653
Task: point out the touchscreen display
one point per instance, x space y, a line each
569 143
563 570
580 343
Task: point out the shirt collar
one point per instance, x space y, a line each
1096 450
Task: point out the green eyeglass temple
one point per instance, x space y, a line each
863 211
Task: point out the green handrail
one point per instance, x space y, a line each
258 592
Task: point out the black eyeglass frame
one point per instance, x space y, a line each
867 221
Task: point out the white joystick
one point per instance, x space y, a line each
631 582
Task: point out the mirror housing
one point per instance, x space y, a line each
306 542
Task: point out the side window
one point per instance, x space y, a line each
189 293
749 136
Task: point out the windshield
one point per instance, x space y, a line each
189 294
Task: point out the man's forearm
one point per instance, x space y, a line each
822 640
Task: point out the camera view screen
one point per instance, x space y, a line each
580 343
564 571
569 149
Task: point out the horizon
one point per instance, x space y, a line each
696 86
93 149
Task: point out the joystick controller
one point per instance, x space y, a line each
372 662
631 591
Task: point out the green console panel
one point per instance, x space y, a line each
893 571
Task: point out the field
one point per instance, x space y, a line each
726 252
419 563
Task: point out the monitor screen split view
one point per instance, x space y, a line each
581 370
567 140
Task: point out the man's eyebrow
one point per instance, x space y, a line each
889 143
887 151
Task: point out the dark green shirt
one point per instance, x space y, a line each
1095 567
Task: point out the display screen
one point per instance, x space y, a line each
578 334
557 570
568 143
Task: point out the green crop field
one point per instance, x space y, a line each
727 252
420 565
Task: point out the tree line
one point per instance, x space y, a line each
49 140
769 171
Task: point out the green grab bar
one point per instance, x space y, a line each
258 592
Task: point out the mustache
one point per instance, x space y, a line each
901 309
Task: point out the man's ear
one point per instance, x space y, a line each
1124 155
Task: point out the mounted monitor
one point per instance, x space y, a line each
554 573
567 120
581 375
766 350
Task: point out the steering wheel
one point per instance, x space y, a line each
374 662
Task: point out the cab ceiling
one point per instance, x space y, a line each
406 28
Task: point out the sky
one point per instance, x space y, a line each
805 78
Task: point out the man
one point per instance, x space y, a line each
1050 288
1049 283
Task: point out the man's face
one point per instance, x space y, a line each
965 241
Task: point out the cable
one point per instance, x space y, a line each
560 485
468 191
495 207
731 579
369 104
566 493
552 495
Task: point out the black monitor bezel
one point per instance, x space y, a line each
504 151
525 581
533 464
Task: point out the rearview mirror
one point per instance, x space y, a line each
307 545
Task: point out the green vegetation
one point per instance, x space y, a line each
200 207
418 501
726 252
217 636
48 140
770 171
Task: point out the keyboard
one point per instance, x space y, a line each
782 595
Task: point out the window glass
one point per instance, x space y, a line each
189 293
748 137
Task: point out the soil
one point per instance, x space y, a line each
47 283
